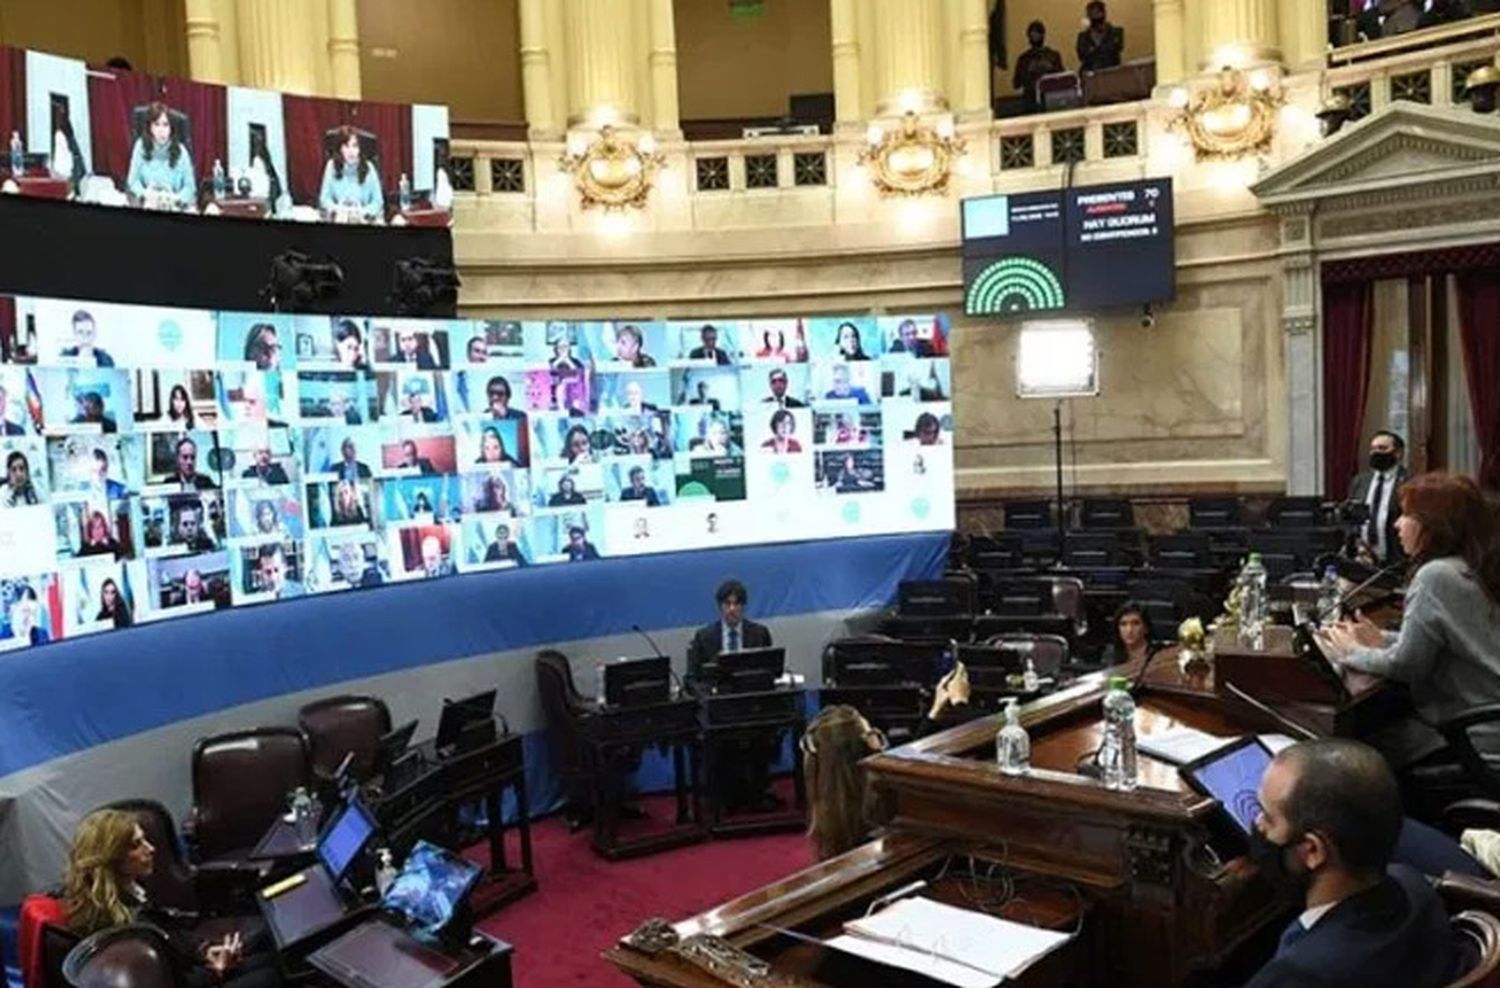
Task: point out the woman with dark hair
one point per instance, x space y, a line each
262 346
112 605
577 447
783 424
348 344
1448 649
160 167
848 342
67 156
350 182
26 617
180 407
492 448
264 181
1132 640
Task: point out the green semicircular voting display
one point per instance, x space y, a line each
1015 284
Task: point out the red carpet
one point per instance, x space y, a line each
585 903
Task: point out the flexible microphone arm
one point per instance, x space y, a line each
649 640
1380 574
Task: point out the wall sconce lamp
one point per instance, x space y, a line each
1333 114
1233 118
1481 85
914 160
613 172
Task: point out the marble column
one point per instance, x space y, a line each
536 68
205 54
600 45
343 48
973 96
1300 340
274 49
1239 33
908 55
1171 42
663 64
846 64
1304 31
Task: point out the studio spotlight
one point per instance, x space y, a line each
297 281
424 287
1481 86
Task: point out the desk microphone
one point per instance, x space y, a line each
1380 574
649 641
681 687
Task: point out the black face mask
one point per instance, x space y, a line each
1096 20
1382 461
1271 860
1036 40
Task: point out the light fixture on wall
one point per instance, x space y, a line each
613 171
1234 117
1334 113
915 159
1481 86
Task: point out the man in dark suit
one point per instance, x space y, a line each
709 337
1330 817
778 382
186 474
638 491
265 470
1378 489
1101 45
742 767
410 459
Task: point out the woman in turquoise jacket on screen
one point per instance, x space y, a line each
349 181
160 163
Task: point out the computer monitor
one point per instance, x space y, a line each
990 665
883 663
346 836
1232 776
392 745
751 670
433 885
462 720
638 682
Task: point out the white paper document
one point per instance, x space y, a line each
1180 745
960 947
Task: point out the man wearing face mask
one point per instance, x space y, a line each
1035 62
1101 45
1329 822
1377 489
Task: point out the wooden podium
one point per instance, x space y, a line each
1155 901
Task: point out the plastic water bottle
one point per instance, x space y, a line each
302 816
1012 743
385 870
599 684
17 154
403 192
1329 596
1253 603
1030 681
220 182
1117 756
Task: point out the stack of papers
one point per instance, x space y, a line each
1180 745
956 946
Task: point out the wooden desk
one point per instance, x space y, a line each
611 733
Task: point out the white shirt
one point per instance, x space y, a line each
1385 482
1310 917
739 631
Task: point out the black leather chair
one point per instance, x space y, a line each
566 711
338 725
1028 515
1107 513
1214 512
56 942
134 956
240 785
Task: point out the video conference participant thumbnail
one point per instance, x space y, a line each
175 461
24 483
20 404
78 402
350 192
105 468
189 584
182 523
347 560
94 528
161 172
269 571
98 596
26 612
425 551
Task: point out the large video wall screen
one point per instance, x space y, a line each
119 138
163 462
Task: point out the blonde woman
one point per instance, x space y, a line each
109 858
841 811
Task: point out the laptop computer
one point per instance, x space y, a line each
309 901
431 890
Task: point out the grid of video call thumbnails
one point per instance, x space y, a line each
161 462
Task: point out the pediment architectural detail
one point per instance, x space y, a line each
1407 151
